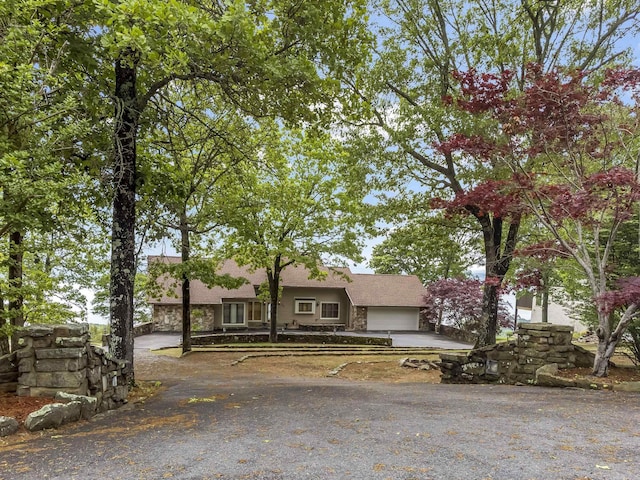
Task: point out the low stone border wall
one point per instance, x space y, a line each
143 329
457 334
70 408
217 339
537 344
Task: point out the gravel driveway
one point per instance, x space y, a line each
208 423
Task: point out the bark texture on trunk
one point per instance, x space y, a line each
489 323
273 276
498 255
4 338
123 265
15 279
186 287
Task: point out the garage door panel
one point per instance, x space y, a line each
392 318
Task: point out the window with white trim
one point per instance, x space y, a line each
233 313
305 306
254 312
330 310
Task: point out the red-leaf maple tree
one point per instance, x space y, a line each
458 302
571 145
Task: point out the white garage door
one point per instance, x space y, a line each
392 318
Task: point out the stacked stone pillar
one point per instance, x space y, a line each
537 344
60 358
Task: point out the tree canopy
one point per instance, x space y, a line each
301 204
403 104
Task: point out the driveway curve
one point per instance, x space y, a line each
209 423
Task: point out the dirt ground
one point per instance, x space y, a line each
154 368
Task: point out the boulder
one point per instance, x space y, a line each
72 412
8 426
49 416
88 405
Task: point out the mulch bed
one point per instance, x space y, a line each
20 407
616 374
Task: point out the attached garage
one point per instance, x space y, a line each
392 318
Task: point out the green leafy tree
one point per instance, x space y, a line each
41 127
265 57
400 103
433 248
192 160
573 149
303 207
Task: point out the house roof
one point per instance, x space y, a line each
362 289
375 290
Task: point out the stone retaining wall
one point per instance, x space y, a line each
143 329
537 344
457 334
216 339
60 358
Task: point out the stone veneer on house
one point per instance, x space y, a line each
537 344
359 319
168 318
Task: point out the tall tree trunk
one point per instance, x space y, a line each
185 251
15 280
123 264
489 321
274 292
498 255
4 337
545 306
545 297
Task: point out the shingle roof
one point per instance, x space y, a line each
375 290
362 289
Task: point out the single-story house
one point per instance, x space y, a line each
352 301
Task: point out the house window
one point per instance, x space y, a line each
233 313
305 305
330 311
254 312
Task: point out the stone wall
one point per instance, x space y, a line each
537 344
359 319
143 329
60 358
168 318
457 334
314 338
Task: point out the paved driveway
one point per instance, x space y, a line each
211 424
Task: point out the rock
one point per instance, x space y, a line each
8 426
550 369
53 415
49 416
627 387
546 377
70 341
72 412
89 405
